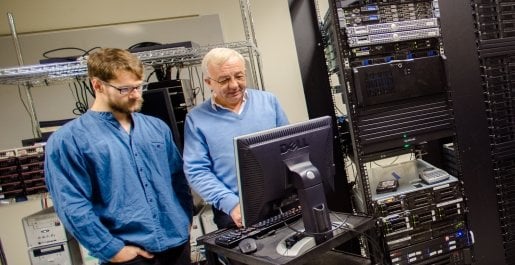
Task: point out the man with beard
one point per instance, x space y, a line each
115 175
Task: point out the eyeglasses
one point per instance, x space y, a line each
124 90
225 80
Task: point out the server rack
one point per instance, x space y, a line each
21 173
495 34
393 70
317 92
482 69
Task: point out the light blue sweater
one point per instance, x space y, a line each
209 161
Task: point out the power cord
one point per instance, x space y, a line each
33 129
80 94
343 225
68 58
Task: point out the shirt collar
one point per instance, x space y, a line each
108 117
214 104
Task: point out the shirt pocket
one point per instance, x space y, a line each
156 151
157 145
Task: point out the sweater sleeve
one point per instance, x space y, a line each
198 168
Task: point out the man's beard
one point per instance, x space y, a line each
127 107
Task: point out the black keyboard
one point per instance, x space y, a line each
231 237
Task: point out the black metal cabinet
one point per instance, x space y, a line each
420 99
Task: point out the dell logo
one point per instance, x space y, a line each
293 145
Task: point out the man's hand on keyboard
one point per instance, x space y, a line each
236 215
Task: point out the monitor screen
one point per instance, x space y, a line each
284 167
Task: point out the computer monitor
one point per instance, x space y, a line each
285 164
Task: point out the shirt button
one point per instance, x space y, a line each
155 216
136 154
141 170
150 200
146 185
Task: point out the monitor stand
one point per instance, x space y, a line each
292 249
307 180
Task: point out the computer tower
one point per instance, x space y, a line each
169 100
157 103
47 240
62 253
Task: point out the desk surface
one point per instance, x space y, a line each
266 247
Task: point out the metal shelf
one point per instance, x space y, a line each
44 74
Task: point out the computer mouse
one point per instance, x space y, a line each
248 245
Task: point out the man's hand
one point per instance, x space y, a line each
129 253
236 215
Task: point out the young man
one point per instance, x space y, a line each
115 175
231 111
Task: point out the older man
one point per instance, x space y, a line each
231 111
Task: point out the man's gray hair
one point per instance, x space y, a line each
217 57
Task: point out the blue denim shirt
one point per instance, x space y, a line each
111 188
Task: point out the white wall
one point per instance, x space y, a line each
274 38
